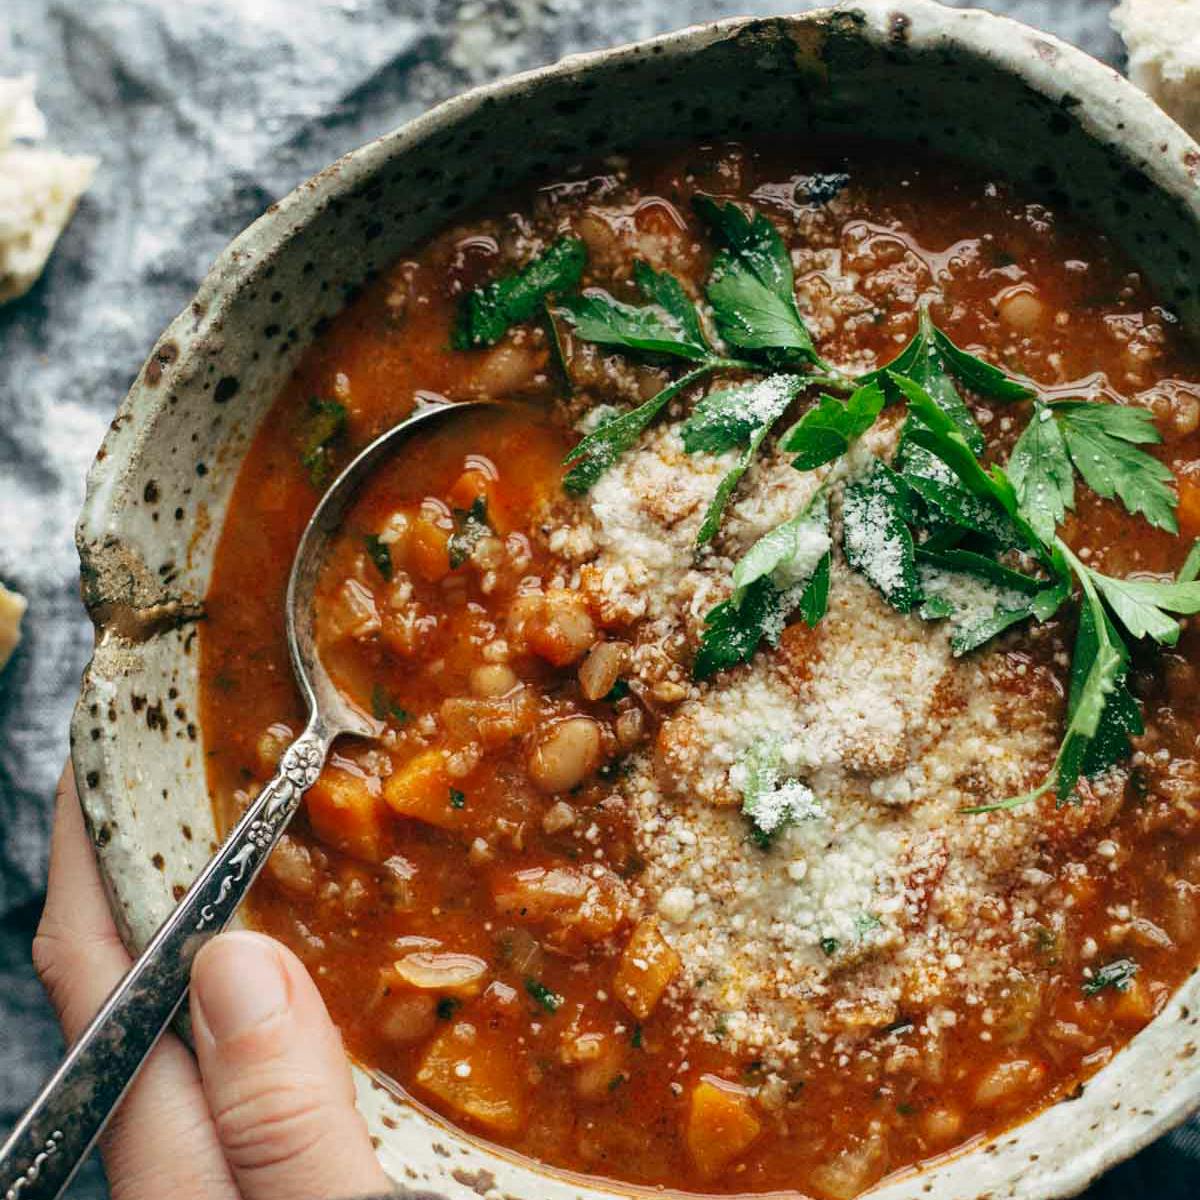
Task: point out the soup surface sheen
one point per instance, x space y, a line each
731 933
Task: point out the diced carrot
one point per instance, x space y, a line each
421 789
1134 1004
646 969
478 1074
561 629
721 1124
429 549
1188 512
469 486
347 812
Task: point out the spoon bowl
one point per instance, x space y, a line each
44 1151
330 713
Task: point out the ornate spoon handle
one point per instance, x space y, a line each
52 1139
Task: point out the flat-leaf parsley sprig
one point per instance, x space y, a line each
751 293
889 513
940 514
668 325
1102 713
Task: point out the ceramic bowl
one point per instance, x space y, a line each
964 82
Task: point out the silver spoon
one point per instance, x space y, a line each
54 1136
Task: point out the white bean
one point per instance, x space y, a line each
565 755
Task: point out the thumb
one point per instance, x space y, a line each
275 1076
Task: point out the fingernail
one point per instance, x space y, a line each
238 984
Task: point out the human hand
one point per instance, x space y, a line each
265 1110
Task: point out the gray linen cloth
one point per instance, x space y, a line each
203 113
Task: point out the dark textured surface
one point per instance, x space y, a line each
203 114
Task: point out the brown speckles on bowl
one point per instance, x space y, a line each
227 387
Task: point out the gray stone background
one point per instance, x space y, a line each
205 111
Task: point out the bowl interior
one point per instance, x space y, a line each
963 83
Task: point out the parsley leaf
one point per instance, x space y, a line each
380 554
937 432
751 286
922 363
827 430
1190 570
324 424
814 600
669 324
930 358
1103 440
471 527
771 803
1117 975
457 799
549 1000
968 562
596 452
948 504
383 706
973 620
790 554
1142 605
734 628
977 374
787 568
876 537
1041 473
1119 718
731 417
488 312
1101 711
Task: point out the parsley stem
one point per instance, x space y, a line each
831 378
1081 722
604 445
1012 801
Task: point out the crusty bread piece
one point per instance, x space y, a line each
1163 39
39 190
12 609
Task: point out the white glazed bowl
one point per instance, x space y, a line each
964 82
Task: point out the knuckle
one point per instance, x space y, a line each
71 964
272 1122
53 953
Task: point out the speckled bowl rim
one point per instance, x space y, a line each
1111 109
